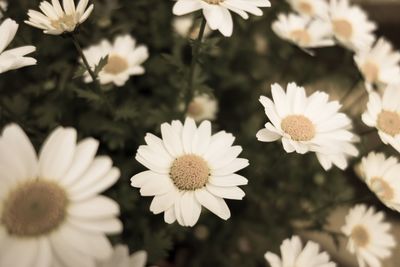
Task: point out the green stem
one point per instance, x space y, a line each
195 55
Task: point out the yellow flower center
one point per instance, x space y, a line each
299 127
66 22
214 2
34 208
370 71
306 7
382 189
360 236
389 122
343 28
189 172
116 64
301 36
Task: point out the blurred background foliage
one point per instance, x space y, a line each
285 192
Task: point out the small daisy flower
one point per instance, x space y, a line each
186 26
368 236
3 5
310 8
50 210
351 26
203 107
305 124
217 12
383 113
381 174
121 258
293 254
124 60
380 64
14 58
57 20
302 31
190 168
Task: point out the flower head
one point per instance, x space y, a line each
50 208
305 124
121 258
190 168
3 5
202 107
57 20
14 58
217 12
186 26
310 8
368 235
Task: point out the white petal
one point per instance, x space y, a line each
233 192
96 207
214 204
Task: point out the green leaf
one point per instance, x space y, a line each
103 61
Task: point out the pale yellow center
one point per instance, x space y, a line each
389 122
370 71
343 28
195 109
382 189
189 172
214 2
116 64
301 36
66 22
34 208
299 127
360 236
306 8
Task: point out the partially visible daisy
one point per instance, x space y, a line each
383 113
380 64
14 58
310 8
190 168
57 20
217 12
121 258
293 254
368 236
382 174
351 26
202 107
124 59
186 26
51 212
308 124
302 31
3 6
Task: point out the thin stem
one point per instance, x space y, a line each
195 55
349 92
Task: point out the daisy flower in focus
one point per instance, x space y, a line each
121 258
14 58
383 113
351 26
379 65
381 174
305 124
186 26
50 208
203 107
302 31
217 12
57 20
310 8
190 168
124 60
368 236
293 254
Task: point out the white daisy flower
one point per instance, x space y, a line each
217 12
14 58
50 210
381 174
310 8
306 124
57 20
380 64
185 26
203 107
121 258
302 31
190 168
3 7
351 26
368 236
383 113
124 60
293 254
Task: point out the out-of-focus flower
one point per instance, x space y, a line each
186 26
14 58
3 5
217 12
121 258
310 8
190 168
124 60
57 20
202 107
